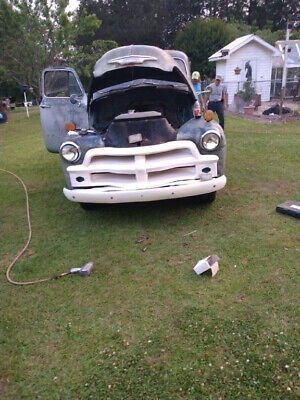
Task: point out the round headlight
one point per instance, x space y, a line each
70 151
210 140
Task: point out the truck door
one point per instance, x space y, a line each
63 100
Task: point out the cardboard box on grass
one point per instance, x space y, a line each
208 264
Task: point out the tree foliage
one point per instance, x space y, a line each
37 34
241 29
295 35
84 57
200 39
157 22
255 12
139 21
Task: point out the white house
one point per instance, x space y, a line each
246 58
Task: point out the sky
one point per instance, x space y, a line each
72 5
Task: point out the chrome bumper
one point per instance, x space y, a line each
186 189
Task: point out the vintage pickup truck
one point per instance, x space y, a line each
138 135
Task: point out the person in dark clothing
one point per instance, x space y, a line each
217 107
217 99
3 114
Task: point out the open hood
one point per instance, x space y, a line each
173 100
131 63
134 55
141 83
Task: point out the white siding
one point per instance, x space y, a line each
261 61
221 68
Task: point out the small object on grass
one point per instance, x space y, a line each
289 207
144 249
83 271
142 238
210 263
190 233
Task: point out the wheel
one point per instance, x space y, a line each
207 197
88 206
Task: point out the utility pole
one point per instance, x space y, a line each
284 72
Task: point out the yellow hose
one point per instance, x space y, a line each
11 265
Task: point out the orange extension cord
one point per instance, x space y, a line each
11 265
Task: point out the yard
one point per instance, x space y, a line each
143 326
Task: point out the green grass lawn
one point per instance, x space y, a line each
143 325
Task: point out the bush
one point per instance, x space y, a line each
248 93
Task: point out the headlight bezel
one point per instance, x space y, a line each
209 132
78 150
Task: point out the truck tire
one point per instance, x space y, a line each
207 197
88 206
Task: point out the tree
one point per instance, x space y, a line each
37 34
280 11
295 35
241 29
126 22
142 21
157 22
84 58
200 39
20 54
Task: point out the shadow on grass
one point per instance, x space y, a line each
189 203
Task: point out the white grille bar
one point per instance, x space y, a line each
143 167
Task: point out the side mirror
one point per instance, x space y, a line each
73 99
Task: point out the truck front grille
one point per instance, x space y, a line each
136 168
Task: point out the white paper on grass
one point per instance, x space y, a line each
203 266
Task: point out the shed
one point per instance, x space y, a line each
246 58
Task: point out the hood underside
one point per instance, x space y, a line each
140 83
173 100
134 73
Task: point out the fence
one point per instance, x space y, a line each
291 89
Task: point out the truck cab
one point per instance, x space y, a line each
138 135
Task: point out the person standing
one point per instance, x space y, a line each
3 113
196 80
217 99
